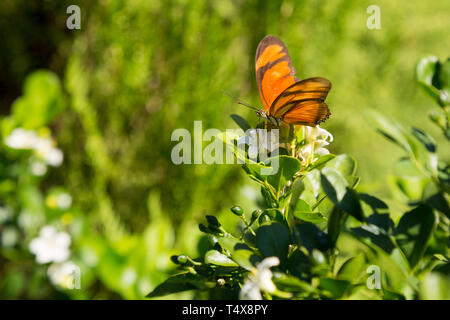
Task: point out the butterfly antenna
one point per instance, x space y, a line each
239 102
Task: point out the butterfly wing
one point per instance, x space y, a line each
274 71
303 102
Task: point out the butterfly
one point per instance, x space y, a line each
286 99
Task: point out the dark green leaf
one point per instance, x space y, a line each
174 284
337 190
427 141
298 265
273 240
334 225
376 235
414 231
241 122
271 215
311 237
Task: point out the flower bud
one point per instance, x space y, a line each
255 215
182 259
212 221
237 211
203 228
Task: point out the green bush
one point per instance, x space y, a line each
326 240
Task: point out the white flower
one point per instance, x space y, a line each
260 141
128 276
64 200
43 147
21 139
38 168
260 279
51 246
316 140
46 150
65 275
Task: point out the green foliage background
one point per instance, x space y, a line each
139 69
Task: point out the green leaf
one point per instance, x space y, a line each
335 288
427 154
291 284
239 251
394 132
245 258
443 76
321 161
435 286
391 295
304 212
377 231
299 265
41 101
425 73
413 232
241 122
217 258
438 202
311 237
444 176
408 180
285 170
178 283
427 140
272 215
309 216
273 240
345 164
334 225
353 268
297 188
376 205
337 190
230 137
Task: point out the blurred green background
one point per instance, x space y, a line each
139 69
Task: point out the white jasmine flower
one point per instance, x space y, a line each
260 279
260 141
65 275
316 139
128 276
21 139
38 168
46 150
43 147
9 237
5 214
51 246
64 200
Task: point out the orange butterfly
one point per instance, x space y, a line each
286 99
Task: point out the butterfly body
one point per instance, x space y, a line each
286 99
273 121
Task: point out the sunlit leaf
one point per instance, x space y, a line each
217 258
